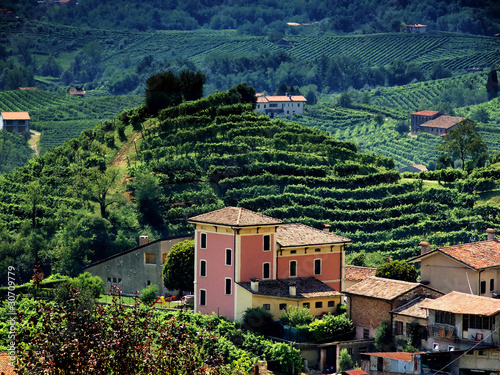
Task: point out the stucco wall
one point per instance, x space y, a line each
130 267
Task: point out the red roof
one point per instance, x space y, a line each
356 372
235 216
425 113
443 122
358 273
280 98
15 115
477 255
463 304
400 356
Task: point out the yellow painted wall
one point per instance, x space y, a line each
274 302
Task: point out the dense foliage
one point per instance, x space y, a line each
397 270
14 151
178 270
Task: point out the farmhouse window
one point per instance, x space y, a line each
150 258
203 297
266 270
228 286
293 268
203 241
317 266
203 268
267 242
229 257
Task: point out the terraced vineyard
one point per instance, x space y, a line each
62 117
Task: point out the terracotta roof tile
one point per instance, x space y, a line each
5 367
358 273
400 356
381 288
280 98
425 113
15 115
235 216
463 303
413 308
356 372
301 235
306 287
477 255
443 122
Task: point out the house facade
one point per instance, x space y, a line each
18 122
280 105
245 259
137 268
433 122
416 28
371 301
472 268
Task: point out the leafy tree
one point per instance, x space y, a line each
98 185
178 270
345 360
463 142
86 282
397 270
383 337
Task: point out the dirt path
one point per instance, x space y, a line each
34 140
120 159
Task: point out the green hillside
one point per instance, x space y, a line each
91 197
61 117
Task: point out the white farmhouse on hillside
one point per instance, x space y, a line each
280 105
15 121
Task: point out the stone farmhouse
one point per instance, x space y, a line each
371 301
433 122
135 269
416 28
281 105
245 259
18 122
472 268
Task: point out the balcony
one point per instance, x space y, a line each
443 331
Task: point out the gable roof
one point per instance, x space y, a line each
290 235
15 115
477 255
381 288
306 287
280 98
425 113
442 122
463 303
358 273
413 308
235 217
399 356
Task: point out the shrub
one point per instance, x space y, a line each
345 360
330 326
383 337
149 294
257 319
296 316
285 357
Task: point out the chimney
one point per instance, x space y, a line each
143 240
491 233
326 228
425 247
254 284
292 288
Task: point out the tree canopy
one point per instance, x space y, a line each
178 270
397 270
463 142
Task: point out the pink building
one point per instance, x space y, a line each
245 259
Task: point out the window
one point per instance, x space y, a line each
273 105
203 241
331 303
149 258
119 281
163 258
293 268
229 257
267 242
108 279
282 306
317 266
492 285
228 286
298 104
203 297
266 306
482 353
266 271
306 305
366 333
318 305
398 328
114 280
148 282
443 317
203 268
478 322
293 251
317 250
483 287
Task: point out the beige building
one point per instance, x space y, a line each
133 270
472 268
280 105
